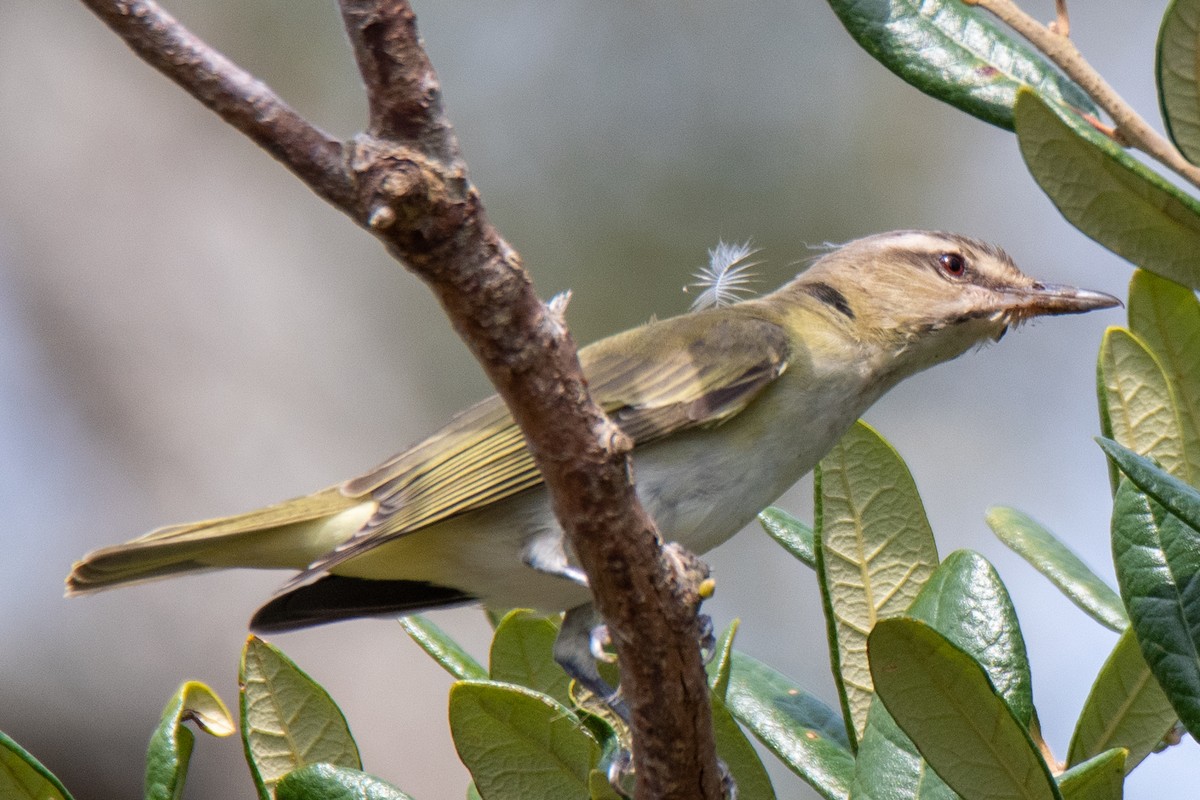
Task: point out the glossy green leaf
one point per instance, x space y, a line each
1180 499
170 748
1101 778
1107 193
739 756
523 653
519 743
1158 568
966 602
1166 317
1136 402
889 767
443 649
943 701
721 665
956 53
600 788
327 782
806 735
1126 708
22 777
1176 69
288 719
1056 561
874 550
791 533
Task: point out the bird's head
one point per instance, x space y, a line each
920 298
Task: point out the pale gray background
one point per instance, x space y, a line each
186 331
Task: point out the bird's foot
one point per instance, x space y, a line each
598 639
708 639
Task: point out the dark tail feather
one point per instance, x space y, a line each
334 598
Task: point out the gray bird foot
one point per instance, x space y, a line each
708 640
599 639
621 776
580 644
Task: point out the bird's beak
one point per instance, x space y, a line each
1048 299
1019 303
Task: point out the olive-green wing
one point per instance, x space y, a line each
708 368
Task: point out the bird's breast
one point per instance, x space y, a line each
703 486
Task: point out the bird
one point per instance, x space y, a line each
727 407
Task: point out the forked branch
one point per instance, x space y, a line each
405 181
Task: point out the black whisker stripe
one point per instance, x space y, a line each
830 296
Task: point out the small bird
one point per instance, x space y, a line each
727 406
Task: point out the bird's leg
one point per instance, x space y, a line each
544 552
582 631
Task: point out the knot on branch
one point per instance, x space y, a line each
417 204
688 576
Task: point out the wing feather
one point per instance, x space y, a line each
715 365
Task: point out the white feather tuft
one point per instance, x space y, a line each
726 277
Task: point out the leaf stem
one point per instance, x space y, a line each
1054 44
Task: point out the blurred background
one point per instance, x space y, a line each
185 331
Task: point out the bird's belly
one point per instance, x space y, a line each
701 487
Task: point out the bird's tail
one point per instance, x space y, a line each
289 535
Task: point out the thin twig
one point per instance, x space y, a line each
232 93
1131 128
1062 21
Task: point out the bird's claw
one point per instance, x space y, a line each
598 639
728 784
620 773
620 776
708 641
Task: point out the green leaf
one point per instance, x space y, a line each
1137 403
1056 561
1166 316
22 777
519 743
1180 499
1175 69
941 698
1101 778
806 735
722 662
170 748
874 552
740 757
443 649
1107 193
956 53
1126 708
889 767
600 788
288 719
1158 568
966 602
791 533
523 653
327 782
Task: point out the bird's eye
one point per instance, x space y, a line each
953 264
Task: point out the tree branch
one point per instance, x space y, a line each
1131 128
232 93
405 181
